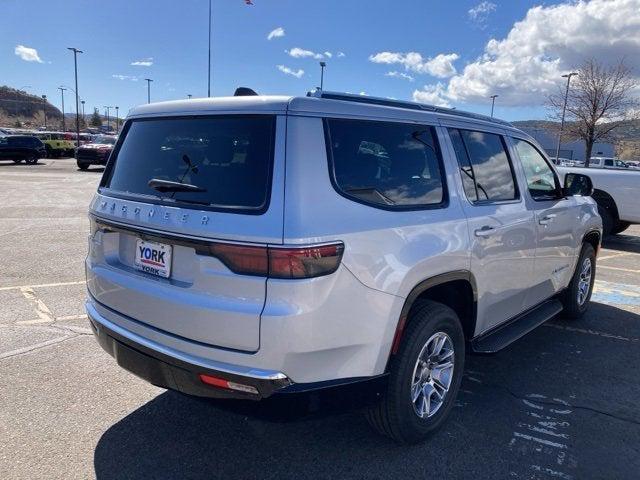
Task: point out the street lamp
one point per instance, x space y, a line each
117 119
84 120
62 89
564 109
148 89
44 110
209 65
75 65
322 65
189 96
493 103
108 110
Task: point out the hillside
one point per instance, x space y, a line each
19 106
628 131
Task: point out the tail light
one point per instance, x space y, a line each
280 262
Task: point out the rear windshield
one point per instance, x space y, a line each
224 161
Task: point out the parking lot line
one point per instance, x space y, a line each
42 285
42 311
613 255
630 270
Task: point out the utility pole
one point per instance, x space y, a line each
84 120
493 103
44 110
117 119
322 65
564 109
148 89
209 69
62 89
75 64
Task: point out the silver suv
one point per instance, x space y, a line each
253 246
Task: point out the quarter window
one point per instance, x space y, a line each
541 181
390 165
486 171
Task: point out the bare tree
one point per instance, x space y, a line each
600 97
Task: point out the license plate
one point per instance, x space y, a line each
153 258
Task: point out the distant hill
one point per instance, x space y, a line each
22 107
628 131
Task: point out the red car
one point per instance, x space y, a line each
95 153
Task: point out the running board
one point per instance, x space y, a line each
504 335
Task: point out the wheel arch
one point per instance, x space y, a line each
605 200
456 289
594 238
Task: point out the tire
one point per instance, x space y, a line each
607 220
48 150
31 159
620 227
574 305
17 160
395 415
82 166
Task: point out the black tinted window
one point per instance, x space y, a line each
229 158
386 164
484 166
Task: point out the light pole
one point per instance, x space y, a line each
75 65
493 103
148 89
84 120
108 110
189 96
44 110
209 66
564 109
117 119
62 89
322 65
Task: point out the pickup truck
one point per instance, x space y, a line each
617 193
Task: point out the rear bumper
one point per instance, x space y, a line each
149 362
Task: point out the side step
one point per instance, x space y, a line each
500 337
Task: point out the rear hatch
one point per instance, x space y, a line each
176 193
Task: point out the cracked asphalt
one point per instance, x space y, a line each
560 403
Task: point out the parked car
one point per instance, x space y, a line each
21 147
58 144
95 153
616 192
607 162
260 246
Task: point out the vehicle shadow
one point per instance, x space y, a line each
175 436
623 243
99 169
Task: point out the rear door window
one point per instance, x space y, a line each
485 168
386 165
222 162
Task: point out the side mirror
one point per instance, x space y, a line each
577 184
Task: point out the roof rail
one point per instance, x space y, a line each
350 97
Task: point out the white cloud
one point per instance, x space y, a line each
397 74
288 71
27 54
276 33
125 77
480 13
527 65
296 52
341 54
145 62
440 66
432 94
328 54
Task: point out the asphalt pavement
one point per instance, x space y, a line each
561 403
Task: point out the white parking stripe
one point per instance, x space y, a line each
43 285
42 311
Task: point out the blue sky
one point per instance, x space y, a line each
457 61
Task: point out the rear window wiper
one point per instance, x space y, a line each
170 186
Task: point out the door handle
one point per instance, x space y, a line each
485 231
547 219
